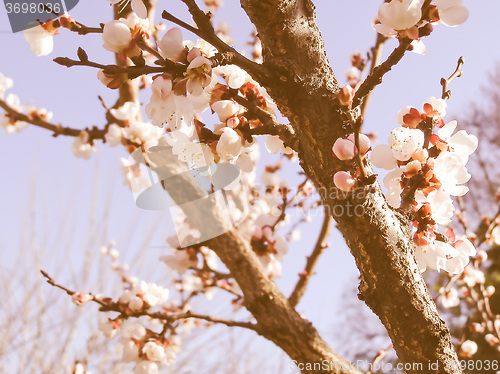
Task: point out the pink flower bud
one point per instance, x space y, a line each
346 95
477 327
344 181
344 149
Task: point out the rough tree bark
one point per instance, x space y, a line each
301 81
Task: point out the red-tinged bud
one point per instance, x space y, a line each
68 22
50 27
413 118
346 95
489 291
491 339
357 61
420 238
482 256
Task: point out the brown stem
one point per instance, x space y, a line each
445 82
94 132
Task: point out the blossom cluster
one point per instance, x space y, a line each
143 337
429 168
408 19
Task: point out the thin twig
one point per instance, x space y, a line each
375 78
270 124
379 357
312 260
108 305
445 82
94 132
134 71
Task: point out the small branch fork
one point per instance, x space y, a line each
445 82
375 78
206 31
109 306
312 260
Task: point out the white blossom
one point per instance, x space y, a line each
81 146
404 142
40 39
398 15
229 145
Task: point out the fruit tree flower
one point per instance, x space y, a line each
398 15
451 12
468 348
41 38
116 36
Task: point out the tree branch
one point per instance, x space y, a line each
94 132
312 260
375 78
206 31
170 317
